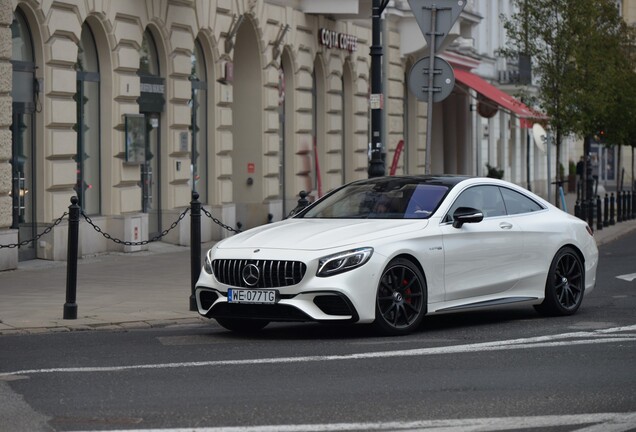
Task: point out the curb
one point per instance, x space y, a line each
119 326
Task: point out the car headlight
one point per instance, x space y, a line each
343 261
207 264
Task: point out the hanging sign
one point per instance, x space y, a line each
152 92
332 39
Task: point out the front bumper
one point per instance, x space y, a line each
314 306
344 297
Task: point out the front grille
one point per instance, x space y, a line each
271 273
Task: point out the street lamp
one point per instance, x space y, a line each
376 164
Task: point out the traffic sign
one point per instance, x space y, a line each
443 79
441 14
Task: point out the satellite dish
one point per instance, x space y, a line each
540 136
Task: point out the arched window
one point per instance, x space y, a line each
199 126
23 173
286 132
151 105
348 125
282 191
318 107
148 58
88 186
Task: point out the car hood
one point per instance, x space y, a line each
317 234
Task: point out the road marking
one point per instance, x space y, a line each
615 422
627 277
610 335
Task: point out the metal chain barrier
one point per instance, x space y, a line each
218 222
116 240
139 243
37 237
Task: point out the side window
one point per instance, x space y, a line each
487 199
471 197
517 203
493 203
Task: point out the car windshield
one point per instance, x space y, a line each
380 200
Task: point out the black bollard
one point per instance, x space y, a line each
577 209
619 207
195 246
625 206
599 219
634 204
302 200
621 200
583 214
590 212
606 211
70 307
302 203
612 221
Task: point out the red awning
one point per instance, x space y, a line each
499 97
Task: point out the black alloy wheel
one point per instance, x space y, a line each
401 298
565 286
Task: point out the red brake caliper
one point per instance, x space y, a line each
407 292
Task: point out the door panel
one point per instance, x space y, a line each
481 258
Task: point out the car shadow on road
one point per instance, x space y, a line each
434 324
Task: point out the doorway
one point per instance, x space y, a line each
23 178
24 94
150 175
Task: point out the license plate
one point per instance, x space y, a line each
251 296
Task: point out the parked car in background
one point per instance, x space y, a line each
390 250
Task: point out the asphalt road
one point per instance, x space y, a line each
501 370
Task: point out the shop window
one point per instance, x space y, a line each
199 126
88 186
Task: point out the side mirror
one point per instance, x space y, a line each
466 215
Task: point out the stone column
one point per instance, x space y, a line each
8 257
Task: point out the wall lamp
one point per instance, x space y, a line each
231 33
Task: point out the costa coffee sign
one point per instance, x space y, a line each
332 39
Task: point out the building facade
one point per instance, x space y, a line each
133 105
127 105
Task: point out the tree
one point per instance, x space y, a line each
623 113
577 55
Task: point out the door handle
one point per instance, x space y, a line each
505 225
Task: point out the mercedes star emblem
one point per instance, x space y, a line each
250 274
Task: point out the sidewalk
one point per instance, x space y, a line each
114 291
123 291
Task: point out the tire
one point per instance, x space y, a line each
565 285
401 298
242 325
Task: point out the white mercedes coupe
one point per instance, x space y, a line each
391 250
